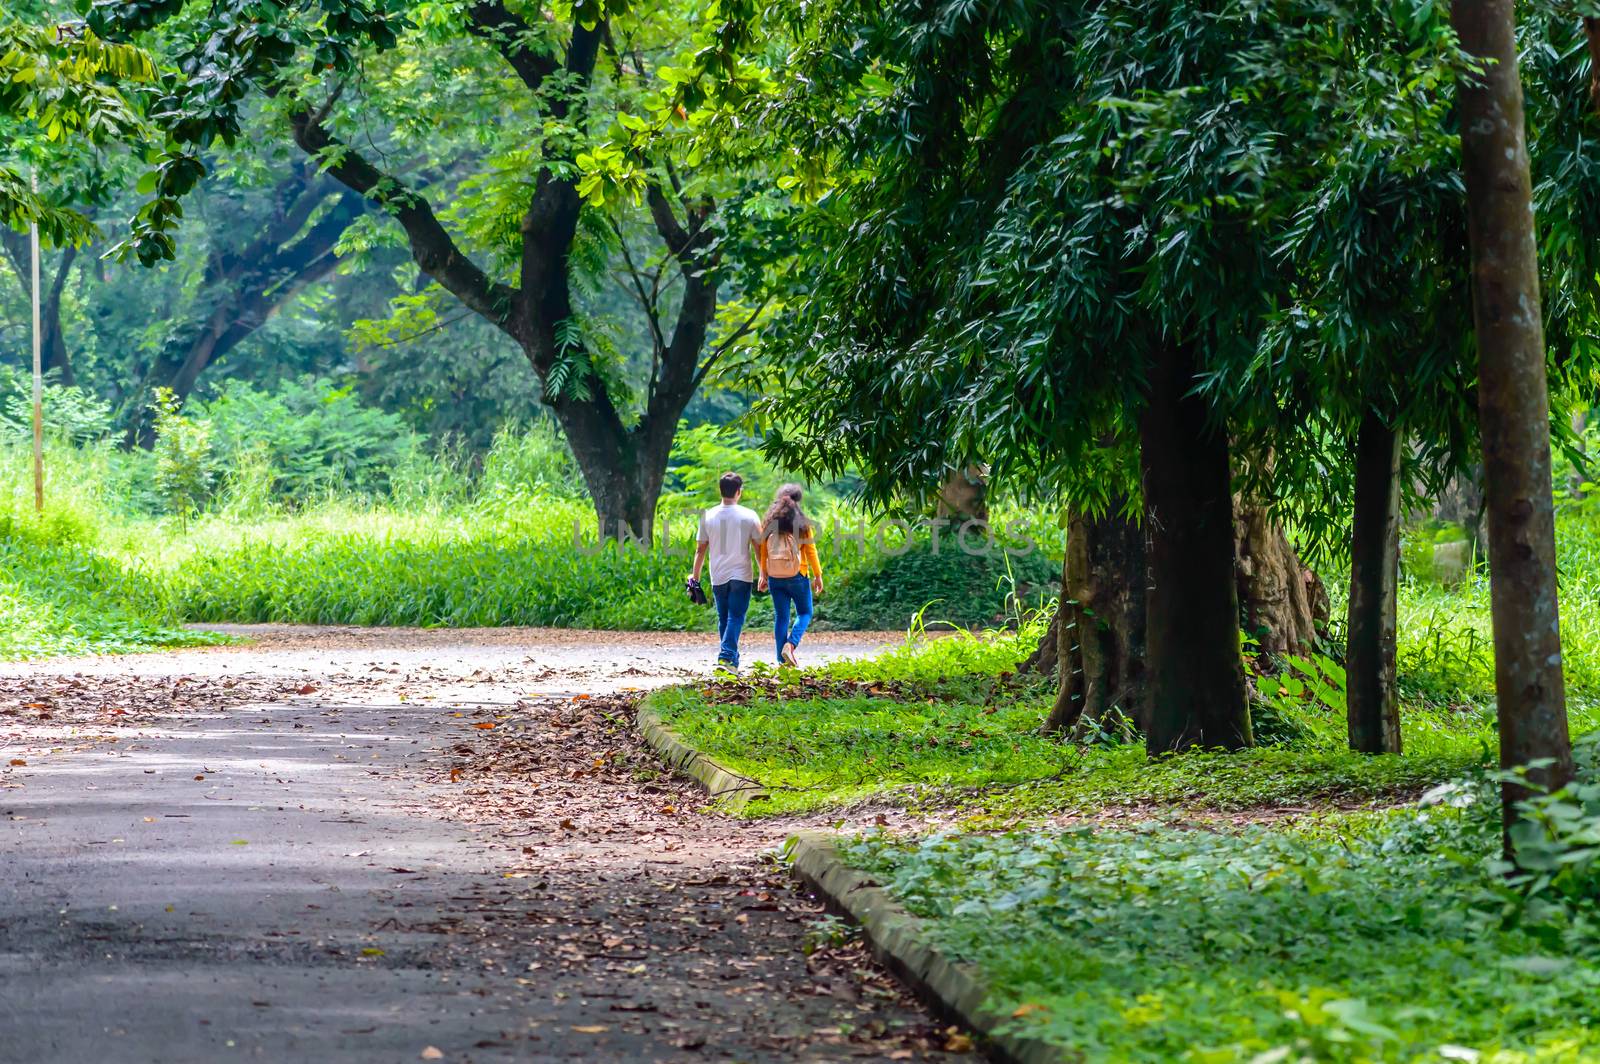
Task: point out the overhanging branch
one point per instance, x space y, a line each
432 247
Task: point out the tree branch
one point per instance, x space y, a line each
732 338
491 21
432 247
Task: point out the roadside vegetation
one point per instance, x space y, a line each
304 506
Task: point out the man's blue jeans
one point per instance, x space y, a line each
733 602
786 590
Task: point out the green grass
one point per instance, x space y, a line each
455 555
942 720
64 597
975 746
534 562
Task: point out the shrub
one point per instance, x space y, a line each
317 438
184 462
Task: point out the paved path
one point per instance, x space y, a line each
342 845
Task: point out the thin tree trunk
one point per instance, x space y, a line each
1197 694
53 343
1100 627
1372 702
1513 405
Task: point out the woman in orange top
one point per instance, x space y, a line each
786 550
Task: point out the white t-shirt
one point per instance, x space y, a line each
731 531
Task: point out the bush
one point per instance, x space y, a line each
317 439
70 413
184 463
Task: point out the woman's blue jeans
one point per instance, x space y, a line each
787 590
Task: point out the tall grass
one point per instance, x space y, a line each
513 544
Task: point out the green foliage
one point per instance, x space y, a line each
532 463
61 591
60 90
949 585
1335 944
347 565
1307 692
70 413
185 464
72 599
315 438
1554 876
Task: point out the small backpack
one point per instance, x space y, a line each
783 555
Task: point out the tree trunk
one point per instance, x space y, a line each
1282 600
1197 694
625 489
964 495
1461 502
53 341
1513 404
1372 702
1100 628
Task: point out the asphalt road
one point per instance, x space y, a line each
368 846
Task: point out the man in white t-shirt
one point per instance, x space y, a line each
728 535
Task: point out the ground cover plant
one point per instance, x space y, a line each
60 593
1376 941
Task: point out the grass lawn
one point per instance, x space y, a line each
948 721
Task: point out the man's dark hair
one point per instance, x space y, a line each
730 484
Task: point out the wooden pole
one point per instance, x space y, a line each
38 374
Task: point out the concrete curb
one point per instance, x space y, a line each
903 944
721 782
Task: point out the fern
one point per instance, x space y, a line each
568 377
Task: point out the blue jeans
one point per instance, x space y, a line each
733 602
786 590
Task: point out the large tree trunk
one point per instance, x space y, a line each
1282 600
624 478
1513 405
1197 694
1100 628
1372 702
